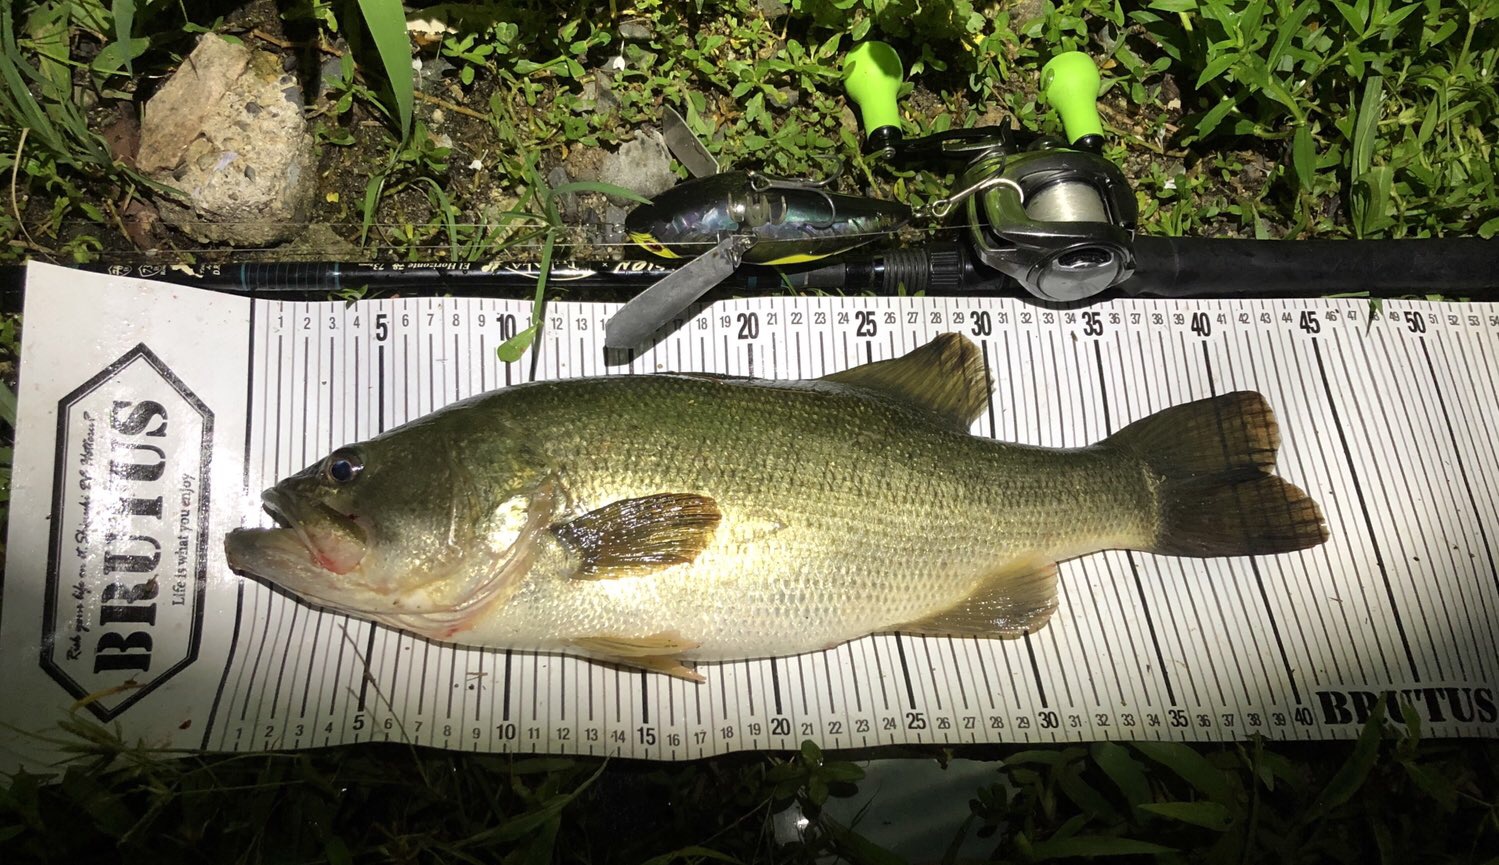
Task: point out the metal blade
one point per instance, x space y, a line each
685 146
647 311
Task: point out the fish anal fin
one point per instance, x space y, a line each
1011 601
658 653
946 376
639 536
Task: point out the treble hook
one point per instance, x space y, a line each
760 181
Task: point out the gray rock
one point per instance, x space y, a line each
613 231
635 31
604 100
773 9
330 73
642 164
1022 11
320 242
227 130
567 203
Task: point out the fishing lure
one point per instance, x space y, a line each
723 220
789 222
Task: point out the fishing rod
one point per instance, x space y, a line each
1051 217
1166 267
1048 219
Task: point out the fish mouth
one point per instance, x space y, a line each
276 554
313 538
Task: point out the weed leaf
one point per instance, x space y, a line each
1092 845
1191 766
7 404
386 20
1125 771
1351 775
123 12
1209 815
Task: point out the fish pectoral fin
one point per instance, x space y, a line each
1012 601
639 536
945 376
658 653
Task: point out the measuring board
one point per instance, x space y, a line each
1386 421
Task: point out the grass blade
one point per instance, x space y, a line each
386 20
1304 158
1366 126
7 404
511 349
1125 771
1352 774
605 188
692 852
1191 766
123 12
371 199
1092 845
1209 815
445 205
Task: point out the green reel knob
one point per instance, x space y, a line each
872 74
1069 83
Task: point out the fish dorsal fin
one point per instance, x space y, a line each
946 376
632 537
1011 601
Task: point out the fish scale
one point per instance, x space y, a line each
852 529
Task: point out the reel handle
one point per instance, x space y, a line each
1069 83
872 74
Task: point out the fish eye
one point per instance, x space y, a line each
342 467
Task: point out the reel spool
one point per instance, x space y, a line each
1059 222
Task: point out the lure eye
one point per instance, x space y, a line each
342 467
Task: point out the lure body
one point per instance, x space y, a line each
789 223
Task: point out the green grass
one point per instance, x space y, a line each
1388 798
1271 118
1291 118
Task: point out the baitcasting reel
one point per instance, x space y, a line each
1059 222
1058 219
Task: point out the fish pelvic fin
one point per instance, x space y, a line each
633 537
1211 464
1010 601
946 376
658 653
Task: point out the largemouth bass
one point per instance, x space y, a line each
654 520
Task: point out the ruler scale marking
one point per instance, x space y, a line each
263 592
1317 473
1440 513
1381 487
1236 585
1364 508
1327 621
232 660
1414 590
1255 562
1481 454
1488 614
1081 419
1123 600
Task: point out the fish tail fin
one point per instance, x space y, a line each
1212 468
